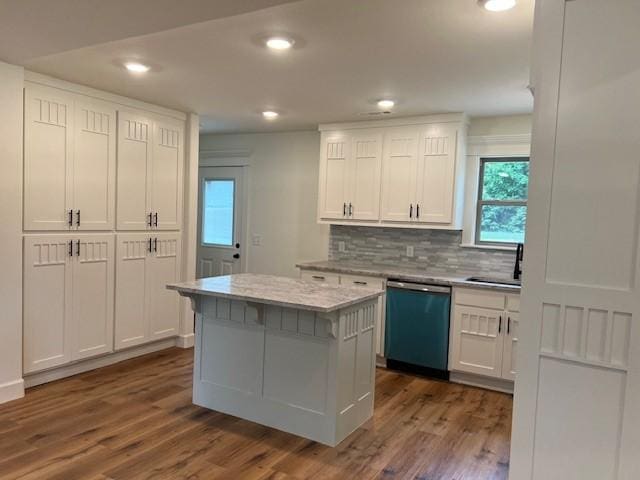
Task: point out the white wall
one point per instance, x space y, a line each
502 125
283 196
11 85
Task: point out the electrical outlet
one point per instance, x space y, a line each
409 250
342 247
256 240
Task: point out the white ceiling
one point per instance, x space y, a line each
429 55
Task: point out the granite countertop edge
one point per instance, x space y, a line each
330 266
190 290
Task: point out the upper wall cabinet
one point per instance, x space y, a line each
70 161
150 161
350 166
397 173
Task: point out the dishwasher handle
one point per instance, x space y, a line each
419 287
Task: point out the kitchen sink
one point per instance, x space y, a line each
495 281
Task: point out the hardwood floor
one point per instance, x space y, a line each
135 420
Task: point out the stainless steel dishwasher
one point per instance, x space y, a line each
417 327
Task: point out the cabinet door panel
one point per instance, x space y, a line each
94 164
166 179
92 299
511 346
163 267
435 174
47 301
130 316
364 183
477 342
134 166
47 158
399 174
334 172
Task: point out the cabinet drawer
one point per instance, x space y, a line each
322 277
480 298
358 280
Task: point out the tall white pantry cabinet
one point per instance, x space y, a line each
102 220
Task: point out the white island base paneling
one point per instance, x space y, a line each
306 373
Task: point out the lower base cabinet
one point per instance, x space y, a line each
145 309
68 298
356 281
484 333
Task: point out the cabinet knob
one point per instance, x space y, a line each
236 255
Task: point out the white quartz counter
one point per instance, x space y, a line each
279 291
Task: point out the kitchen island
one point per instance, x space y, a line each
290 354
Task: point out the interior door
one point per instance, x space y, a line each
130 315
220 221
435 175
94 165
47 301
134 171
166 175
92 300
163 267
364 182
334 177
48 157
478 340
399 174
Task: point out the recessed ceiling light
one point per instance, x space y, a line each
279 43
386 103
497 5
136 67
270 115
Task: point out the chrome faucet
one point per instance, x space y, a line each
517 269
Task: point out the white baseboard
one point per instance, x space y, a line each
490 383
186 341
11 390
38 378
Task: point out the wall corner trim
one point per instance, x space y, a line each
185 341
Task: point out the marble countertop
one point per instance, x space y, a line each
404 274
280 291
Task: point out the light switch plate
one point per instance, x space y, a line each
256 240
409 250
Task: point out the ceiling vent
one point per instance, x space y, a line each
377 113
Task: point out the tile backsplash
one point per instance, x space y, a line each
435 251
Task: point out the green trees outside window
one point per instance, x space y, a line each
502 200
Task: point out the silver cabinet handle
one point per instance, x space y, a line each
500 325
155 219
317 277
417 210
508 325
71 218
358 282
150 219
150 243
78 218
78 248
350 209
411 210
155 244
71 248
344 209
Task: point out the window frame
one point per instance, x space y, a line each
233 220
503 203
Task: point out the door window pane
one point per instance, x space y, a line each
217 212
502 224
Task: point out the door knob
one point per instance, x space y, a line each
236 255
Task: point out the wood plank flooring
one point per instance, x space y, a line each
135 420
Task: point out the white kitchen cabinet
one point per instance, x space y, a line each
145 309
435 174
356 281
400 173
150 165
350 168
68 298
399 169
70 161
484 333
